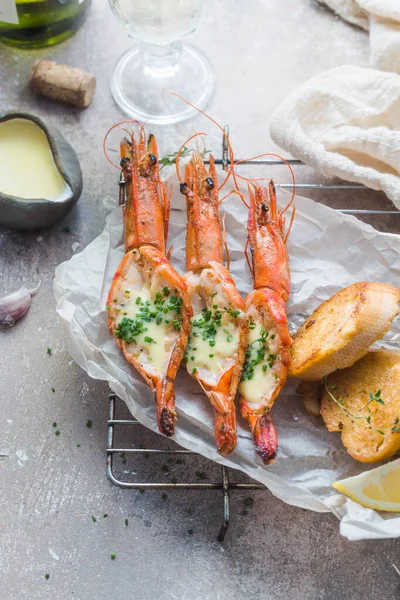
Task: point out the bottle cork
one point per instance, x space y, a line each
62 83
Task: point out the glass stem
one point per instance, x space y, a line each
161 57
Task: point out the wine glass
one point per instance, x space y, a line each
160 61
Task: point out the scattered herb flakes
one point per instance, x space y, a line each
113 556
245 512
54 424
53 390
164 496
94 519
248 502
105 515
78 445
170 459
49 351
190 531
47 576
129 329
126 522
57 432
189 510
66 229
142 490
200 475
258 352
89 423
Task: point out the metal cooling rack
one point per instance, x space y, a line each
225 485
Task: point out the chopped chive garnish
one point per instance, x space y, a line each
57 432
89 423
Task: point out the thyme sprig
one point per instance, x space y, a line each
170 159
362 419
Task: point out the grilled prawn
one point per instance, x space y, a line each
268 351
148 303
217 340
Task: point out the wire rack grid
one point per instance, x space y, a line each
225 485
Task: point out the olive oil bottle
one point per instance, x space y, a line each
36 23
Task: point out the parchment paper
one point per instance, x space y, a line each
328 251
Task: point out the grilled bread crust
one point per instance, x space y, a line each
378 370
342 329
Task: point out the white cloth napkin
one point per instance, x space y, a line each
382 18
346 123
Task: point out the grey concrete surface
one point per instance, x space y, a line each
49 487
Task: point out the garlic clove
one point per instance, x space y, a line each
15 305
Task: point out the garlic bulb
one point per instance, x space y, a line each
15 305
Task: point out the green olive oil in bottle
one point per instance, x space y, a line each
37 23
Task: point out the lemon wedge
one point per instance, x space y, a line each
378 488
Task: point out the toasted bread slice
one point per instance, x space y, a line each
341 330
377 373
